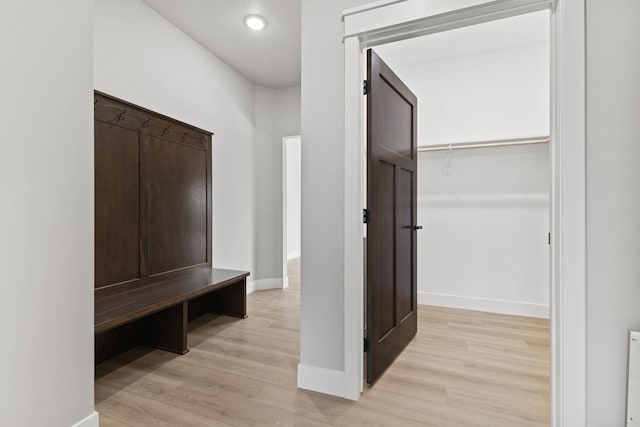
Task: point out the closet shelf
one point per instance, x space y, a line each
485 144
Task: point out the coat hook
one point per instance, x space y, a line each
447 168
166 131
146 123
121 115
185 134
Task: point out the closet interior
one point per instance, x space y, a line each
483 183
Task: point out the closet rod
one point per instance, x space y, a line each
484 144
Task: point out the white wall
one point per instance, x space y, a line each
46 213
322 285
288 108
613 203
484 243
277 114
482 97
293 188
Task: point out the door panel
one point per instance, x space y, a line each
391 192
405 239
396 135
384 271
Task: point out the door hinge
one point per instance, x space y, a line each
365 216
365 87
366 345
549 238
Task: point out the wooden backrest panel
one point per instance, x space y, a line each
153 196
177 205
117 201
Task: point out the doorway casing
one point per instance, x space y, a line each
285 204
392 20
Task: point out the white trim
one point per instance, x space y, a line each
415 18
369 6
490 305
92 420
265 284
286 256
322 380
568 263
633 380
353 229
568 221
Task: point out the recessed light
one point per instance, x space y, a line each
255 22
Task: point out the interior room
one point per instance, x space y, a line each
484 179
485 210
181 206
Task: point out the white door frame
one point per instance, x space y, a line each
285 254
391 20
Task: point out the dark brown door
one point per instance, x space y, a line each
391 231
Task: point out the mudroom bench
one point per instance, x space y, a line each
157 314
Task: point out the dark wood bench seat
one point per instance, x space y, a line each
157 314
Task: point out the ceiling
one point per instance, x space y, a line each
490 36
270 57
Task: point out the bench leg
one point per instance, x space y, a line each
167 329
231 300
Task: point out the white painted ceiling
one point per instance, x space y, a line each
503 34
270 57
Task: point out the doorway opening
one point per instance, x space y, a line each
482 191
291 206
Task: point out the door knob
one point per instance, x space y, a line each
417 227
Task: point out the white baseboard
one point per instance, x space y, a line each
321 380
516 308
285 282
92 420
292 255
264 284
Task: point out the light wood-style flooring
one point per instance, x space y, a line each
464 368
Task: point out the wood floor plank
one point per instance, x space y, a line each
464 369
135 409
106 421
507 407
